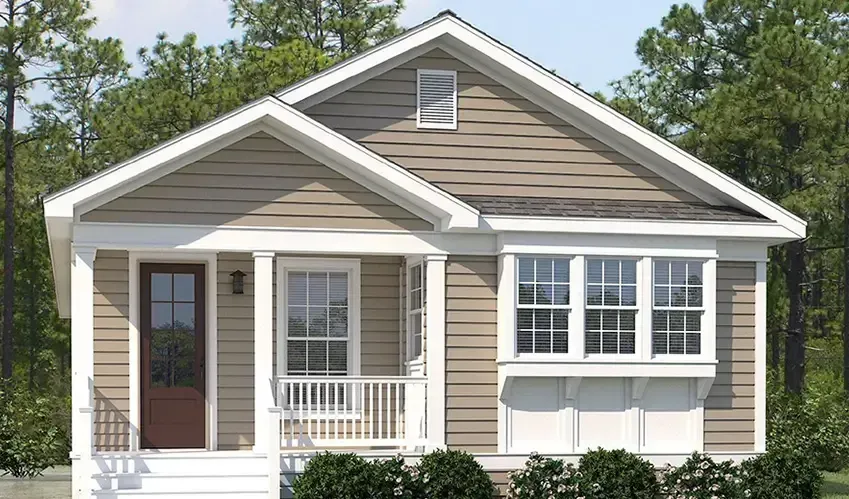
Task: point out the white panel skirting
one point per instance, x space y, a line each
648 415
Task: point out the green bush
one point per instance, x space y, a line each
32 438
394 479
702 478
454 474
543 478
608 474
816 425
333 476
780 474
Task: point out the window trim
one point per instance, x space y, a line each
410 312
702 309
352 267
570 308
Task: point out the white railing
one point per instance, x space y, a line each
352 411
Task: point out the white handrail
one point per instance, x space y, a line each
352 411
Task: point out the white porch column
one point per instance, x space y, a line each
82 366
435 319
263 348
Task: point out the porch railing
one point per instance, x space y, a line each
352 411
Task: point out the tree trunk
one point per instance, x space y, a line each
9 221
846 290
794 351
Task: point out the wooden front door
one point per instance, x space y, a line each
173 334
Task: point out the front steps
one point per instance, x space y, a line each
183 475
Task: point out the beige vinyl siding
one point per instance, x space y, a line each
380 295
258 181
504 143
111 351
470 336
730 406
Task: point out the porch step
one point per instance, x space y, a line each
162 483
134 494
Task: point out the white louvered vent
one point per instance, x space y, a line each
437 99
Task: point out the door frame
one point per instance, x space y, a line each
210 261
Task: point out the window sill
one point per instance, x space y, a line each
617 367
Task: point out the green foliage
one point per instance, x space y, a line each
330 476
608 474
33 431
702 478
394 479
788 475
454 474
817 426
543 478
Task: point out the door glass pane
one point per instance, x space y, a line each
184 316
160 316
160 287
184 287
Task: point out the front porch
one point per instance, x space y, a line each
279 374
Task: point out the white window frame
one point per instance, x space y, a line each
639 308
702 310
569 308
438 126
352 268
411 312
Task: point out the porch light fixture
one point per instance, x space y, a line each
238 282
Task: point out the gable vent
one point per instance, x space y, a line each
437 99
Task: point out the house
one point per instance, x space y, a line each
434 244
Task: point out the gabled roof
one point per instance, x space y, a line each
271 115
484 53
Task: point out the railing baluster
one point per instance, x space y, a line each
336 410
371 410
398 409
326 410
300 412
380 410
290 387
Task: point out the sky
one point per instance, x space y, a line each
590 42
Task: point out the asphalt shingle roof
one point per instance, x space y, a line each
593 208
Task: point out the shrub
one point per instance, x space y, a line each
788 475
543 478
607 474
454 474
394 479
702 478
331 476
32 440
816 425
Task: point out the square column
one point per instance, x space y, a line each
435 322
82 367
263 349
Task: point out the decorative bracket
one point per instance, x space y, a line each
571 388
703 386
638 387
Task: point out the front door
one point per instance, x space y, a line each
173 396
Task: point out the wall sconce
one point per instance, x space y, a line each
238 282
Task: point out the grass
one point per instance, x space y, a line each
54 484
836 485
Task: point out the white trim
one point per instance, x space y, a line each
555 94
439 126
435 323
151 237
82 367
265 385
506 340
592 367
210 261
349 265
412 262
607 245
760 356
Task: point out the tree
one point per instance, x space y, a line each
335 28
752 87
30 31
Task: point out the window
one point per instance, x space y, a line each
678 307
317 328
542 315
610 317
415 302
437 99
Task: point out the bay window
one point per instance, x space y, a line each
610 325
542 314
678 307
